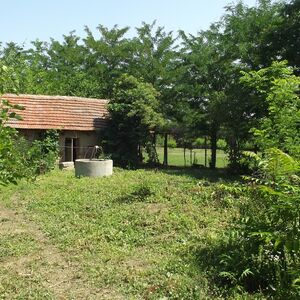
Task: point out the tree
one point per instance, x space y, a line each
282 42
211 80
67 74
107 58
280 127
154 61
37 70
245 30
133 114
262 251
204 80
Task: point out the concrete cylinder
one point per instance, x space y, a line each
93 167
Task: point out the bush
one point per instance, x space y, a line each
10 159
221 144
171 142
18 158
262 251
41 155
199 143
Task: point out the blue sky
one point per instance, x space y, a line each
25 20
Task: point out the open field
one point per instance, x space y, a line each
135 235
176 157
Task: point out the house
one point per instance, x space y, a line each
79 121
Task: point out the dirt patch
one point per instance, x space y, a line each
46 264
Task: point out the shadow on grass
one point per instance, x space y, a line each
140 193
219 174
228 267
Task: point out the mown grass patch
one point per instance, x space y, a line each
137 232
176 157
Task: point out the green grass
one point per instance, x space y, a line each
16 245
17 286
176 157
137 234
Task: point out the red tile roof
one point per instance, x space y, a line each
59 112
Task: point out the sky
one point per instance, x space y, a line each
23 21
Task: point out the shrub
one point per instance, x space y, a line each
18 158
41 155
171 142
198 143
221 144
263 245
10 160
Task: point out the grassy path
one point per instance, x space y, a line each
33 268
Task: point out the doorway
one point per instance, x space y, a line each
71 149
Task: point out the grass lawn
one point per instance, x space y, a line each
134 235
176 157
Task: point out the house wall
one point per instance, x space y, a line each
85 140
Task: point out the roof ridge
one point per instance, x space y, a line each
51 97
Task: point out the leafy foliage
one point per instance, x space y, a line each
40 156
10 169
280 128
10 165
263 245
18 158
134 112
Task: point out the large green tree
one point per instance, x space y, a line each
107 57
282 40
134 113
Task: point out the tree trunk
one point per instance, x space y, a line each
140 154
234 154
213 139
150 148
165 163
205 152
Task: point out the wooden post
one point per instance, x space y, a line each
165 163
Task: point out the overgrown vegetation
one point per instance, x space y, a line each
261 251
155 234
18 158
